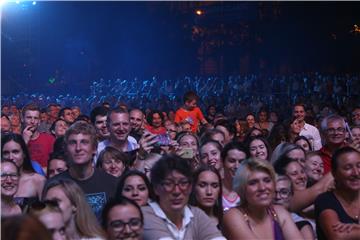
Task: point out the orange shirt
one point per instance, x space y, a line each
193 117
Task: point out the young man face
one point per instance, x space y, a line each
80 149
32 118
136 119
299 113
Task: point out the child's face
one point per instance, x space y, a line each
191 104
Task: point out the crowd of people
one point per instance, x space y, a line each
139 167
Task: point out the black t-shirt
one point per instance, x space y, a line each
325 201
98 189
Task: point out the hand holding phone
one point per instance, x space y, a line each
187 153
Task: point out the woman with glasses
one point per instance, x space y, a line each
256 217
135 186
13 148
9 185
80 221
49 213
283 195
170 216
122 219
337 212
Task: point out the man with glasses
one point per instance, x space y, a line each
333 129
170 217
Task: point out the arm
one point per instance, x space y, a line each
305 198
317 140
288 227
40 182
333 229
235 226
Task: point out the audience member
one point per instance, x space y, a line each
10 175
170 216
122 219
255 183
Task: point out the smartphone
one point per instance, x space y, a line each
187 153
163 140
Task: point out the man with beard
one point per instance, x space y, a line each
118 123
98 117
136 123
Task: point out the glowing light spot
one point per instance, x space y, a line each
199 12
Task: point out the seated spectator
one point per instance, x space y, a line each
210 154
304 143
337 212
5 125
122 219
113 161
213 134
290 150
49 214
259 148
250 120
314 167
59 127
255 183
155 121
293 129
263 122
56 164
170 216
189 148
355 132
232 155
10 175
147 163
13 148
227 128
283 195
80 222
207 193
135 186
278 135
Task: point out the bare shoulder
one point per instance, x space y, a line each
281 213
233 213
34 177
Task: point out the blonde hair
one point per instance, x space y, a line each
85 220
242 174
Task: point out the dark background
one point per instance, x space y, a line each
62 47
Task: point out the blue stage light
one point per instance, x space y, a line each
33 3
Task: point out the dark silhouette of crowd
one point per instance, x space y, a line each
242 157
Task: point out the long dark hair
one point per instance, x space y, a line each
27 167
218 207
130 173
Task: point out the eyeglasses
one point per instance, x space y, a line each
134 224
169 186
283 192
12 176
333 130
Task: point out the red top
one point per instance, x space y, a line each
193 117
41 148
151 129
